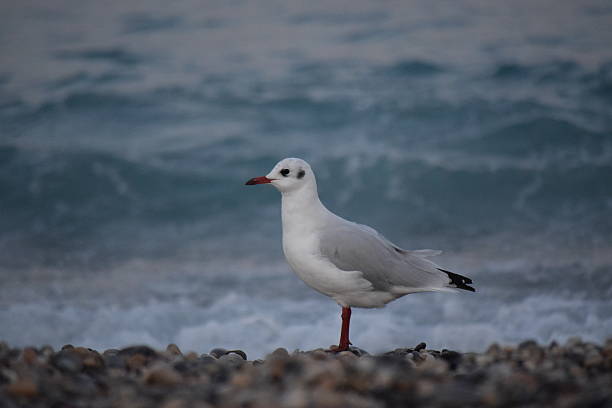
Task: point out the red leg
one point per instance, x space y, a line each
344 334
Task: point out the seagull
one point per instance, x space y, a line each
349 262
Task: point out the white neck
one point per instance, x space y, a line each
307 211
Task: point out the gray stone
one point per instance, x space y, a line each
232 360
67 360
217 352
239 352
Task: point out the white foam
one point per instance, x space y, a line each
258 325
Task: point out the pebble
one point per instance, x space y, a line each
192 355
113 360
173 350
232 359
142 350
452 358
280 352
46 351
162 374
415 356
238 352
25 388
174 403
93 361
573 342
67 360
29 356
574 373
347 354
296 398
319 354
207 358
217 352
136 361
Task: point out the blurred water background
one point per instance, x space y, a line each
128 128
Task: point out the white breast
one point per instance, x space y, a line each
304 217
348 288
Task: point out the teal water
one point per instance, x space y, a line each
127 131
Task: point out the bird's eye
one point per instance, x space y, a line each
301 174
284 172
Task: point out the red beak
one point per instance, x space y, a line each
258 180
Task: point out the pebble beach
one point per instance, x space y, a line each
573 374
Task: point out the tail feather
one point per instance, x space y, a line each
458 281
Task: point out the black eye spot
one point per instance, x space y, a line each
284 172
301 174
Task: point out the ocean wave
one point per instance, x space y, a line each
64 198
372 34
563 78
83 79
70 197
258 325
339 18
600 82
554 71
114 55
145 23
539 136
414 68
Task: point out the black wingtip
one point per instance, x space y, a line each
459 281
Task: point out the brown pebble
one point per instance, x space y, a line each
136 362
25 388
132 350
173 349
162 375
319 354
82 351
347 355
280 352
174 403
29 356
494 349
275 367
296 398
94 360
191 356
242 379
328 399
425 387
433 365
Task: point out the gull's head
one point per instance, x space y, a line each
288 175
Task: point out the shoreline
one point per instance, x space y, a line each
575 373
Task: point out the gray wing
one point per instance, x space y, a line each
355 247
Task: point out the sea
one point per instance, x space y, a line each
128 129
